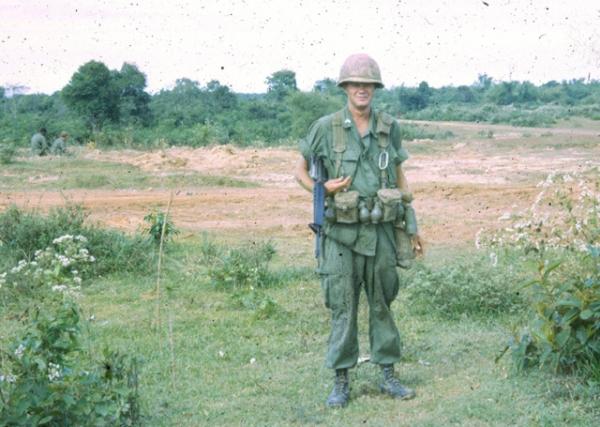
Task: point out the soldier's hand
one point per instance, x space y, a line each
338 184
418 245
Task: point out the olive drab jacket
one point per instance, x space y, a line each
335 139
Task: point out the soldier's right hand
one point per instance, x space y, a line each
335 185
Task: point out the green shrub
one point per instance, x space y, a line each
558 236
7 152
256 300
22 233
156 222
473 287
564 332
243 267
49 379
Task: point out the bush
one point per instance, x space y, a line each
243 267
156 221
564 333
474 287
22 233
245 271
558 236
7 152
49 379
58 268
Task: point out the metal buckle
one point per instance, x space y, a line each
383 160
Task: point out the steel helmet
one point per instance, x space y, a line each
360 68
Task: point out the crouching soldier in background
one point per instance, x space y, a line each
39 143
367 196
59 146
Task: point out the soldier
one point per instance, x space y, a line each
39 144
360 150
59 146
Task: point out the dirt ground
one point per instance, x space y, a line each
458 190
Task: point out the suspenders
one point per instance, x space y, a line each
340 142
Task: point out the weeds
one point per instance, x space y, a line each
159 227
245 272
472 287
22 233
243 267
50 380
46 376
558 236
8 151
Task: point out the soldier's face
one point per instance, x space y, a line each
359 94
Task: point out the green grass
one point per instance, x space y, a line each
73 173
212 362
203 372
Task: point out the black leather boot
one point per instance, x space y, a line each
338 398
392 386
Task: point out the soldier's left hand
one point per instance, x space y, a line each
418 245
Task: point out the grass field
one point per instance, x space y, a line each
209 360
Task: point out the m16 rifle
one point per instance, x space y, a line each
318 174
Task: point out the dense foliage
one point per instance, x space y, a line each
47 377
112 107
559 238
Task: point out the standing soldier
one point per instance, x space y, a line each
59 146
39 144
367 196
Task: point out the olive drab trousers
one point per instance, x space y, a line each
343 274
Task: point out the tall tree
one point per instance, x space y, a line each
133 100
93 93
219 97
281 83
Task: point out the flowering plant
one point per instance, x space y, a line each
59 268
560 233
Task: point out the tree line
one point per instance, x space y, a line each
113 107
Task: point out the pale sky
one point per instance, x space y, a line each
240 43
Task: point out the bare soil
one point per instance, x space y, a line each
457 190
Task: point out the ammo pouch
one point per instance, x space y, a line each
404 250
405 227
346 207
391 199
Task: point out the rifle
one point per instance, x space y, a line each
318 173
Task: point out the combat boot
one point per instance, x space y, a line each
392 386
338 398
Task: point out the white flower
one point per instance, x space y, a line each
63 260
59 288
8 378
19 351
81 238
77 280
53 371
61 239
92 258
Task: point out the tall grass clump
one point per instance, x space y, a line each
559 238
23 232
